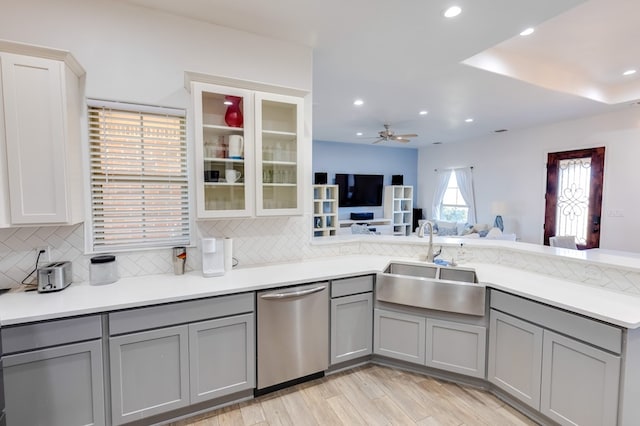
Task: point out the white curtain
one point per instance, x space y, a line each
465 183
442 180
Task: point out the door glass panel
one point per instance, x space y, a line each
574 187
279 155
223 152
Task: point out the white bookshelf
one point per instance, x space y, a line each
325 210
398 208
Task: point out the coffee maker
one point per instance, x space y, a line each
212 257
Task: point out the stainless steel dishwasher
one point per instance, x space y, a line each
293 333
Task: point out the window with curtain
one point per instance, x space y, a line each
453 208
138 177
453 198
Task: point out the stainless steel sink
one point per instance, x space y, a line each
430 286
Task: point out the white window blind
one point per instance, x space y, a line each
139 185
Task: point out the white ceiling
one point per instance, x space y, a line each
403 57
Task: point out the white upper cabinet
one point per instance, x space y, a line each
40 151
224 147
248 152
279 150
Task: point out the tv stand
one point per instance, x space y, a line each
379 221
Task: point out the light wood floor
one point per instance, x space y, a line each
368 395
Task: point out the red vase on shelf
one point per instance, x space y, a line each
233 116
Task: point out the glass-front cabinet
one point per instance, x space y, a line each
279 125
224 146
248 152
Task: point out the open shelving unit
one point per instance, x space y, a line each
398 208
325 210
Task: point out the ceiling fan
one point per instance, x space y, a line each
389 135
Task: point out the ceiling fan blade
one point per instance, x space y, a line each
402 140
408 135
379 140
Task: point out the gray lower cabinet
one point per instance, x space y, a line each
571 381
515 357
156 371
456 347
59 386
222 359
579 382
351 327
166 357
53 372
446 345
399 336
149 373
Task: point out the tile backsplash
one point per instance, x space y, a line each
259 241
256 241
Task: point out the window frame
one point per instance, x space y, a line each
458 196
183 224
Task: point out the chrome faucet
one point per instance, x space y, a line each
421 235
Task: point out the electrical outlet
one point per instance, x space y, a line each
46 256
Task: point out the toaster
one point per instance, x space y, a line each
54 276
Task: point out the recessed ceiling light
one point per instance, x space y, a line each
629 72
527 32
469 120
452 12
359 134
423 112
358 102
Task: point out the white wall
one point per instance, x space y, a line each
139 55
510 167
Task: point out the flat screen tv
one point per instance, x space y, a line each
359 190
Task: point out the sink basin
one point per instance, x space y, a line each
430 286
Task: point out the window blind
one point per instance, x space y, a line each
139 181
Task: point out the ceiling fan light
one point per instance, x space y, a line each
452 12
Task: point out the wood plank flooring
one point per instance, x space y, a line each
368 395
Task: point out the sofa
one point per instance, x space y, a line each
467 230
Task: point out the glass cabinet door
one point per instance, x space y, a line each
279 124
223 151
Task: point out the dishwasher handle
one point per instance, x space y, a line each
291 294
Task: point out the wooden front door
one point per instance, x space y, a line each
574 195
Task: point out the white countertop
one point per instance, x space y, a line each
604 257
82 298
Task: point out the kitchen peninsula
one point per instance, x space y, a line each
525 295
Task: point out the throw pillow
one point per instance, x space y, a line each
447 228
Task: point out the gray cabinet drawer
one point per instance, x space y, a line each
349 286
591 331
50 333
179 313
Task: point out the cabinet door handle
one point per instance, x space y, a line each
291 294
